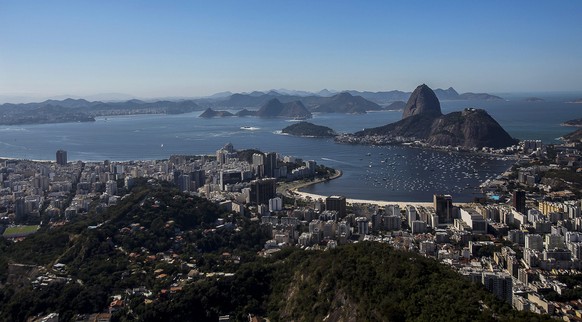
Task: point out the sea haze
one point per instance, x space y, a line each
384 173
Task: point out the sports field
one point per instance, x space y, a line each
20 230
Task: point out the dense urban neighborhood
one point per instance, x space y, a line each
139 240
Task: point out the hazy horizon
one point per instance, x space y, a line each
182 49
121 97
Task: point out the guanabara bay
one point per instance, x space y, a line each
262 161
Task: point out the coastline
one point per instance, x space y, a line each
402 204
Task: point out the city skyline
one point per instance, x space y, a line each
149 50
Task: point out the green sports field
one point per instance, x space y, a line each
20 230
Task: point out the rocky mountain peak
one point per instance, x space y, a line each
422 101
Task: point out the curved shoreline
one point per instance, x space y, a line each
382 203
295 189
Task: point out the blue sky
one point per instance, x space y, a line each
190 48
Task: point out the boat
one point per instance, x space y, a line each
249 128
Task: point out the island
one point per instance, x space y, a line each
576 101
309 129
210 113
576 122
534 99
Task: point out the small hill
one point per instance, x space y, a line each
394 106
245 112
575 136
469 128
384 97
479 97
452 94
210 113
346 103
309 129
274 108
446 94
245 100
373 282
415 126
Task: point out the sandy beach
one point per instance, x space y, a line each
381 203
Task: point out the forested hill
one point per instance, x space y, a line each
167 256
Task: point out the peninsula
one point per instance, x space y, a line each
422 120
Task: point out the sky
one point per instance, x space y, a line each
150 49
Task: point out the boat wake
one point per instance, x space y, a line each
338 161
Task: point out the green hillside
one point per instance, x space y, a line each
174 257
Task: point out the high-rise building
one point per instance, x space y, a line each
498 283
337 203
534 241
275 204
259 164
518 200
443 205
418 227
392 222
198 178
184 182
270 164
362 223
62 157
228 147
262 190
111 187
19 208
411 215
221 156
474 220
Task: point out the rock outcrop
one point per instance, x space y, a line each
469 128
422 101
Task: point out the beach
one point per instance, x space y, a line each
380 203
311 196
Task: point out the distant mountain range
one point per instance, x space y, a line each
271 109
80 110
296 107
324 101
256 98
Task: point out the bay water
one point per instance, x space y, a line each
391 173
